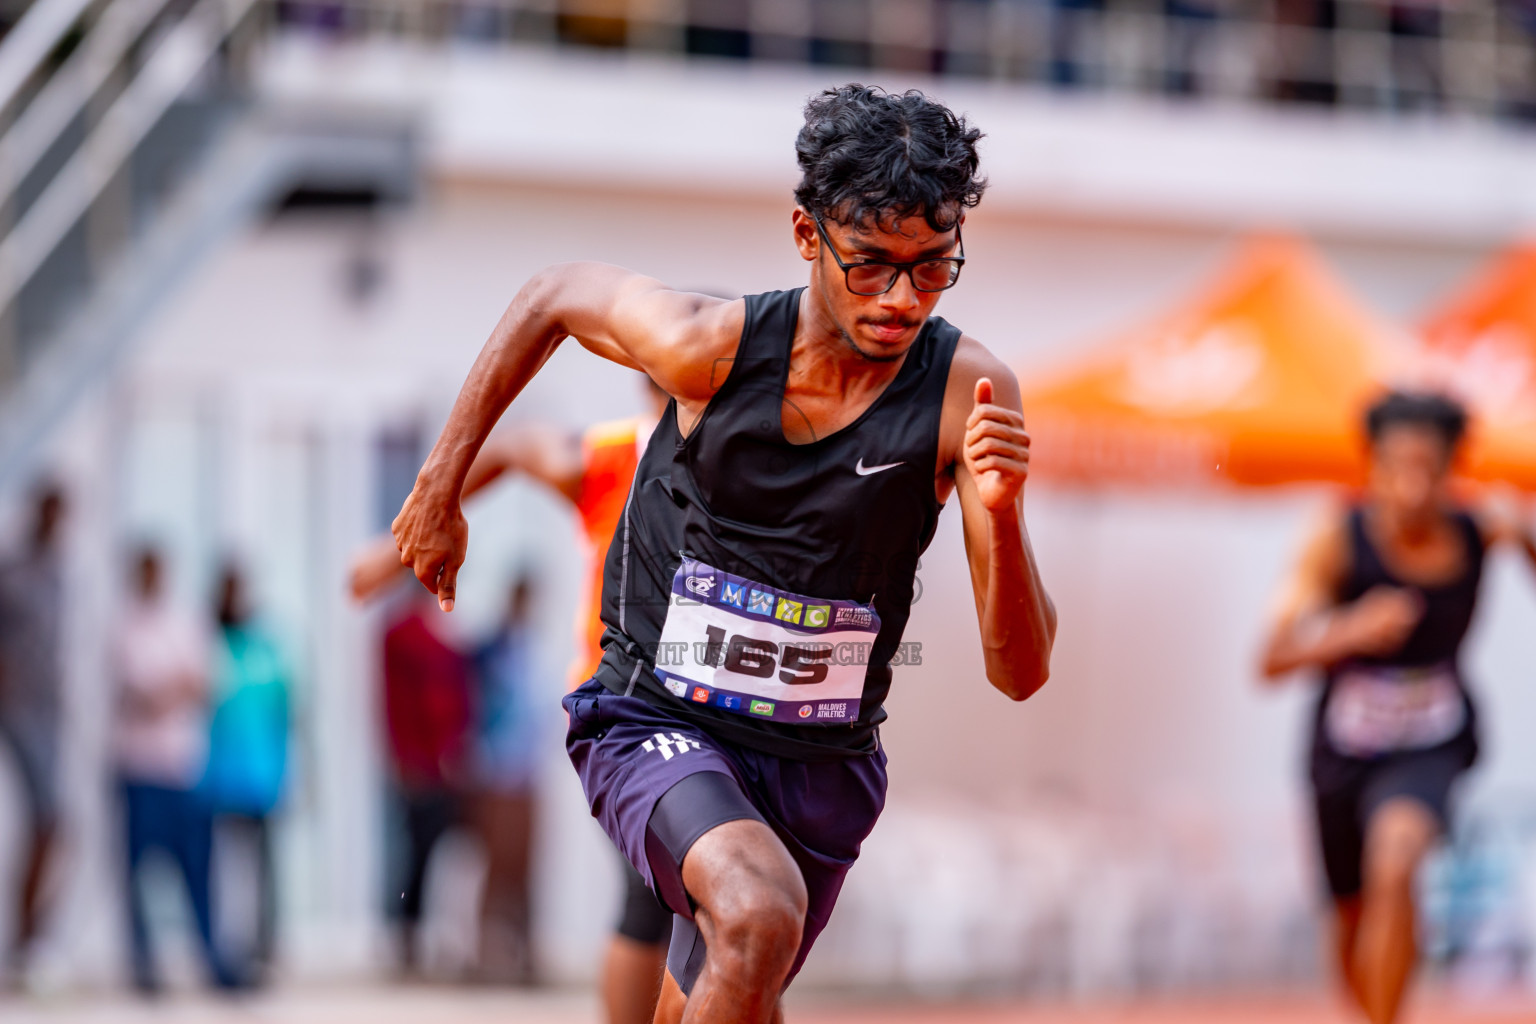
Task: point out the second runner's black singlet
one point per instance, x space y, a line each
761 587
1414 698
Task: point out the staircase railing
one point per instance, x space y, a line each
66 159
124 164
27 47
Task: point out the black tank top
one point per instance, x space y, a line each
842 518
1435 641
1448 607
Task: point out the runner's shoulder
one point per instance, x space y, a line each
1327 549
637 321
712 320
703 340
698 330
973 361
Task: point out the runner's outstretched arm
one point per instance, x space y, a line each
990 465
1507 520
636 321
546 453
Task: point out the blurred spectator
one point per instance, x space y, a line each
1518 96
1076 26
482 22
426 710
1188 34
1304 51
1415 27
962 43
840 33
600 23
31 689
160 656
718 28
248 754
317 16
505 763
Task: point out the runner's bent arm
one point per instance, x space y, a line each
676 337
549 454
990 463
1309 629
546 453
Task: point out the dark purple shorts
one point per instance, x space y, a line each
629 753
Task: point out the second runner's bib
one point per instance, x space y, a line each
732 643
1376 711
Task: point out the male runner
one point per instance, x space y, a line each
1380 603
758 584
593 471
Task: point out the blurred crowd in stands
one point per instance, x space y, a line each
1399 55
202 723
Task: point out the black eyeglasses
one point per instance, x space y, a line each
876 278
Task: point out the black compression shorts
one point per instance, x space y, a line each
1344 812
643 919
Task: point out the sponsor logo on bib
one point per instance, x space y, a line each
733 594
700 585
677 687
859 617
700 695
818 615
729 701
762 707
759 603
832 709
805 710
787 611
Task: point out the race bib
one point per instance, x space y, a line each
1377 711
745 647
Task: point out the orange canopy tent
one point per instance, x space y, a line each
1259 379
1481 346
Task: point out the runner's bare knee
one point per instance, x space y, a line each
751 896
756 927
1397 837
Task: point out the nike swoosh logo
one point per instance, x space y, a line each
864 470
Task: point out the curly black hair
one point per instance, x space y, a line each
1440 413
869 156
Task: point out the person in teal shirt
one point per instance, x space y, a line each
248 749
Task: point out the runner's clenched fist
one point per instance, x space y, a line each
996 450
433 538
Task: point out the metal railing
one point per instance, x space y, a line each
1470 57
77 183
30 44
133 146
